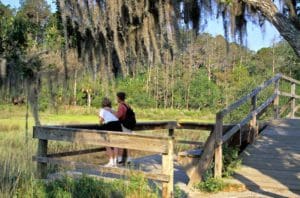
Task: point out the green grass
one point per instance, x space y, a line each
88 187
17 169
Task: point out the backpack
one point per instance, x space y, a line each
129 122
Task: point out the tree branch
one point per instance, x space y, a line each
287 29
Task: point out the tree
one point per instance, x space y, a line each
37 13
287 22
125 33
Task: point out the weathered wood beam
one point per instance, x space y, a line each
101 169
289 79
195 126
294 96
79 152
103 138
153 125
200 144
42 152
218 146
276 101
289 95
168 169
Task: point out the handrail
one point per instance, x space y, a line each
255 113
154 125
238 126
244 99
286 78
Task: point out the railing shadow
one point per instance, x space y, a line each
275 155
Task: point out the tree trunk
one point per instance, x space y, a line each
33 89
65 45
75 88
285 26
89 98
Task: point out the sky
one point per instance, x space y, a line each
256 39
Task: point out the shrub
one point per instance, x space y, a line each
211 185
231 160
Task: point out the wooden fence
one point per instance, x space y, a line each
88 134
220 137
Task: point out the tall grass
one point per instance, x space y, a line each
17 170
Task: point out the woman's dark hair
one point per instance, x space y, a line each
106 102
121 96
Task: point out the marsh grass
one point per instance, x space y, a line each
17 171
89 187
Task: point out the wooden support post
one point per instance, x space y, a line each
293 102
168 169
253 128
42 152
171 132
218 145
253 123
276 101
253 102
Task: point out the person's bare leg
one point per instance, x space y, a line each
120 154
110 154
129 159
115 155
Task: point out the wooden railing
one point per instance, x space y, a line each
220 137
88 134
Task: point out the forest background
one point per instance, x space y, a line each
206 74
49 65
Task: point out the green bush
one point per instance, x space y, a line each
135 89
211 185
231 160
203 93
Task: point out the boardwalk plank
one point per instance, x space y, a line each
276 164
273 161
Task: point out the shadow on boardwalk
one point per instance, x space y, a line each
271 166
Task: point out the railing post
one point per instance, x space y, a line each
168 169
218 145
293 102
42 152
253 123
276 100
171 132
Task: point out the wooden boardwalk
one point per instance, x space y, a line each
271 165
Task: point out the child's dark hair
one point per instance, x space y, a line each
121 96
106 102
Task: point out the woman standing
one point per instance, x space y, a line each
109 122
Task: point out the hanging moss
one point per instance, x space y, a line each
116 35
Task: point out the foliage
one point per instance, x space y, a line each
231 160
139 98
85 186
204 93
211 185
178 193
